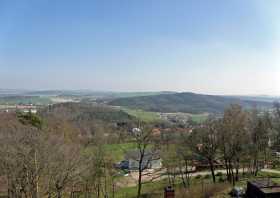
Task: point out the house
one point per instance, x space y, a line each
151 160
276 154
203 164
27 108
156 132
136 131
34 111
263 189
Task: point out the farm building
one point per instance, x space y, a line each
151 160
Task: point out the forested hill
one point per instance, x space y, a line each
185 102
85 112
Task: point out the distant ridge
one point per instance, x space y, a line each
186 102
79 93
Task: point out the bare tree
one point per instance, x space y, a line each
170 162
233 138
143 139
186 164
64 166
205 142
259 128
22 157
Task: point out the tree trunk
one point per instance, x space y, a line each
212 170
59 194
139 183
183 177
231 174
237 174
98 189
187 173
58 191
255 164
140 169
113 190
237 170
227 170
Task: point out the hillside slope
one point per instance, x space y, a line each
185 102
85 112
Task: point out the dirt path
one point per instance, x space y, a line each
150 175
271 171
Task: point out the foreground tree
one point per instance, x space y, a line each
186 162
34 163
276 125
205 143
259 129
22 156
145 152
64 166
233 138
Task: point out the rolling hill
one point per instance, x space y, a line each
185 102
85 112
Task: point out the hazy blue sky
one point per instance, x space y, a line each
206 46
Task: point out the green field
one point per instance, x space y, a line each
148 116
145 116
116 151
199 118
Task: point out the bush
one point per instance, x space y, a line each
209 190
207 176
198 177
219 174
221 180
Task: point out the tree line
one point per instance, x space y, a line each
239 141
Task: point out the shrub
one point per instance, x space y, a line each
221 180
209 190
219 174
207 176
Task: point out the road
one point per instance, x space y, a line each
131 179
270 171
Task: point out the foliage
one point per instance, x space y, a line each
30 119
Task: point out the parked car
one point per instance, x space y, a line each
237 192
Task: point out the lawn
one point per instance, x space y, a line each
148 116
156 189
199 118
145 116
116 151
153 189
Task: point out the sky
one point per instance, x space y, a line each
202 46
